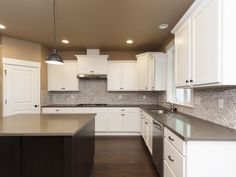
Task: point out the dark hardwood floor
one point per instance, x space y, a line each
122 157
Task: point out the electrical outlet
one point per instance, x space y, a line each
144 97
120 97
221 103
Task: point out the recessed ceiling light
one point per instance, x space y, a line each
129 41
163 26
65 41
2 26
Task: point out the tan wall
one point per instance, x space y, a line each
20 49
44 71
70 55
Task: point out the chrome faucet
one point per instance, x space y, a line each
171 106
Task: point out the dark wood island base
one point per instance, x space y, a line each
48 156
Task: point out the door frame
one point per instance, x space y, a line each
18 62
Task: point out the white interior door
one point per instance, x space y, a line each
21 89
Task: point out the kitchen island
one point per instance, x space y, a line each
33 145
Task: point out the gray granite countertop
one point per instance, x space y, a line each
187 127
44 124
191 128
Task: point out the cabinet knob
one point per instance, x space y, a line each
122 114
169 157
171 138
91 71
63 88
187 81
191 80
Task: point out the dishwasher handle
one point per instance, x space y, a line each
155 123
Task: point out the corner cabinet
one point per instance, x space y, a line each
92 64
204 40
151 68
63 77
122 76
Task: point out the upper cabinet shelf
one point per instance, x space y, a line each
92 64
151 68
204 43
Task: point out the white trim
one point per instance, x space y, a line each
13 61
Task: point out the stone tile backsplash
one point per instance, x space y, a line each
206 105
95 91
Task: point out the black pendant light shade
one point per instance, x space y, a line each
54 58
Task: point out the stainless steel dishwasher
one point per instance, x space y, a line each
157 146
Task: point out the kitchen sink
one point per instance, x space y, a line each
158 111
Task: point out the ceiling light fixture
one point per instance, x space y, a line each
129 41
163 26
53 57
65 41
2 26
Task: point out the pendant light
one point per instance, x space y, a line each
53 57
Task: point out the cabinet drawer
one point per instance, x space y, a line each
174 159
177 142
122 109
58 110
167 171
82 110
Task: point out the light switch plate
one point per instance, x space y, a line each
221 103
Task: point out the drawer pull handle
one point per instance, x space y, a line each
171 138
169 157
122 110
57 110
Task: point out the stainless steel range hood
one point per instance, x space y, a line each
92 76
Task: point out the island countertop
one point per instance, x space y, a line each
44 124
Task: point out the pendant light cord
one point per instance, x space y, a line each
54 22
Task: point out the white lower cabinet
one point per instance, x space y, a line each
198 158
108 120
146 129
167 171
101 122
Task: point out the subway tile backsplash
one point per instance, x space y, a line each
95 91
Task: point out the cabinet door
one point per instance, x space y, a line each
101 122
150 129
151 73
115 122
183 54
114 77
131 122
55 75
63 77
205 23
130 76
160 72
142 73
92 64
70 82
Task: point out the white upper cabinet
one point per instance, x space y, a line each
92 64
205 41
122 76
183 54
142 63
151 71
63 77
204 38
